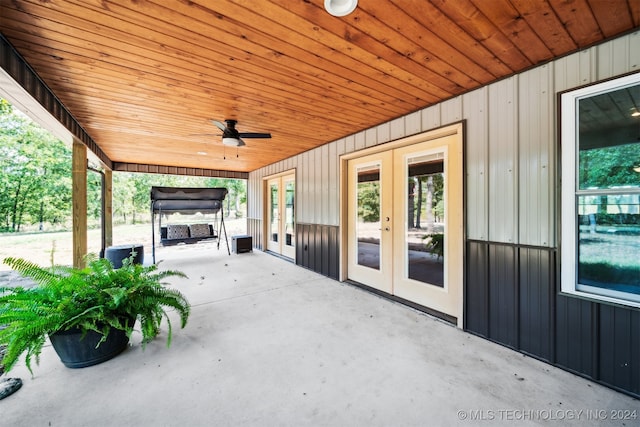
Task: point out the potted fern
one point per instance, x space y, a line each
88 314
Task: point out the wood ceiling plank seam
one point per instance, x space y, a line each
634 8
613 17
142 156
448 30
484 31
295 56
313 130
371 49
170 132
364 62
366 91
115 125
546 24
299 103
347 66
578 20
425 45
127 113
509 21
139 102
374 106
309 138
63 77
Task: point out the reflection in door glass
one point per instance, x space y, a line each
289 225
425 233
368 230
274 214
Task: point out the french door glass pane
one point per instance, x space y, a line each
368 230
425 222
275 213
289 225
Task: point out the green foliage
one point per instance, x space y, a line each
611 274
607 167
96 298
369 201
435 244
35 172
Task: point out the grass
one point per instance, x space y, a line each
44 247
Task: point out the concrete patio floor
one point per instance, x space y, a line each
272 344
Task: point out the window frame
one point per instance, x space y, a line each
570 190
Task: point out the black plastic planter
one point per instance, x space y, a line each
117 254
78 352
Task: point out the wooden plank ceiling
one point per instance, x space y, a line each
146 77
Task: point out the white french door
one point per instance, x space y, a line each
369 222
405 223
281 224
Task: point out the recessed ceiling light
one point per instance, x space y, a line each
340 7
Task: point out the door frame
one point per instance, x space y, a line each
265 205
455 129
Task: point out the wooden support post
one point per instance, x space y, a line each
108 207
79 197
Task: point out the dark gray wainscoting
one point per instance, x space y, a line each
317 248
512 297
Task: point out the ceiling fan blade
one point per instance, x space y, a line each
241 143
219 125
254 135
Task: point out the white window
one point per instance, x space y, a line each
600 247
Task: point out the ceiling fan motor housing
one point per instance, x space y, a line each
231 131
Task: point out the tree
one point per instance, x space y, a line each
369 201
33 167
610 166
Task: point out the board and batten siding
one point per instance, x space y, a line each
512 265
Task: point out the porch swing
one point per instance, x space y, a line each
187 200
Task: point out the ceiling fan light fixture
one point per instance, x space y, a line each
340 7
233 142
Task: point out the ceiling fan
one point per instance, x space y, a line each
231 136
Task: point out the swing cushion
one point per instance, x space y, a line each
200 230
177 231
